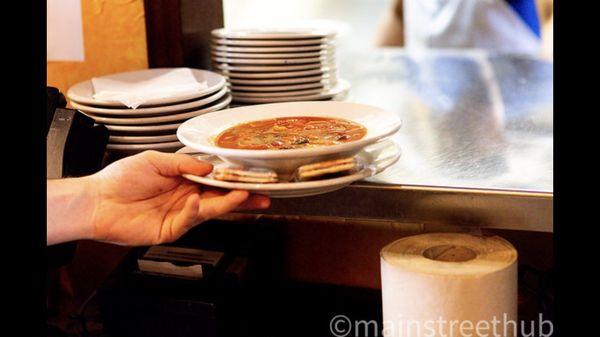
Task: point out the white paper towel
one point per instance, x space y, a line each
173 83
448 284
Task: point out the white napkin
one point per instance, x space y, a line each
177 82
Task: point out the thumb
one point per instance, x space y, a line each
176 164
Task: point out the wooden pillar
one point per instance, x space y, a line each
178 31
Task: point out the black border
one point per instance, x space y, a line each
24 164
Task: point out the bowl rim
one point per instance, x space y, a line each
392 128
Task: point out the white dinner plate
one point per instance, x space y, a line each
272 33
287 94
274 68
222 103
324 79
199 132
330 70
278 61
143 147
143 129
375 159
292 49
160 110
142 139
321 53
83 92
341 88
271 43
276 88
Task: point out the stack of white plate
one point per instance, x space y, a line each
268 66
153 125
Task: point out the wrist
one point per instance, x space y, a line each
93 194
71 209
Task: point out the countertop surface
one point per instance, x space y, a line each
470 119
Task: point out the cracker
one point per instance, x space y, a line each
329 167
238 174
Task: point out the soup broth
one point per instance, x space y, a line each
290 133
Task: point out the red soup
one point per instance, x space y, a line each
290 133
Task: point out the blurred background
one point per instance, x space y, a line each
114 34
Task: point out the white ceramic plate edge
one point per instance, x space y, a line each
74 96
162 119
392 127
319 186
205 100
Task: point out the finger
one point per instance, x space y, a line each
219 205
211 193
255 201
176 164
186 218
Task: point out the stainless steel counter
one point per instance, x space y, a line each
476 138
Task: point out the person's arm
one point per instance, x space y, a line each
391 28
139 200
546 14
70 207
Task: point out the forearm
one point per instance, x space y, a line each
70 210
391 28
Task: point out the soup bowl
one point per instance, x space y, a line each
200 133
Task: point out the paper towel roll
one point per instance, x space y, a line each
431 280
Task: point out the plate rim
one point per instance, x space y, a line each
277 88
141 139
272 49
332 70
205 100
285 94
293 153
285 81
366 172
265 55
273 68
173 117
274 61
142 146
270 42
74 96
273 33
341 87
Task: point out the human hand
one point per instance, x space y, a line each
144 200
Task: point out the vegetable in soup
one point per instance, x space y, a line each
290 133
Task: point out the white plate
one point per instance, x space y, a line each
283 61
271 43
143 147
275 88
272 33
376 158
199 132
283 94
142 139
83 92
331 70
263 69
143 129
160 110
323 79
223 102
340 88
293 49
271 55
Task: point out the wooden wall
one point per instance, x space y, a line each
114 37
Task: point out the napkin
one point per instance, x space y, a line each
132 93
